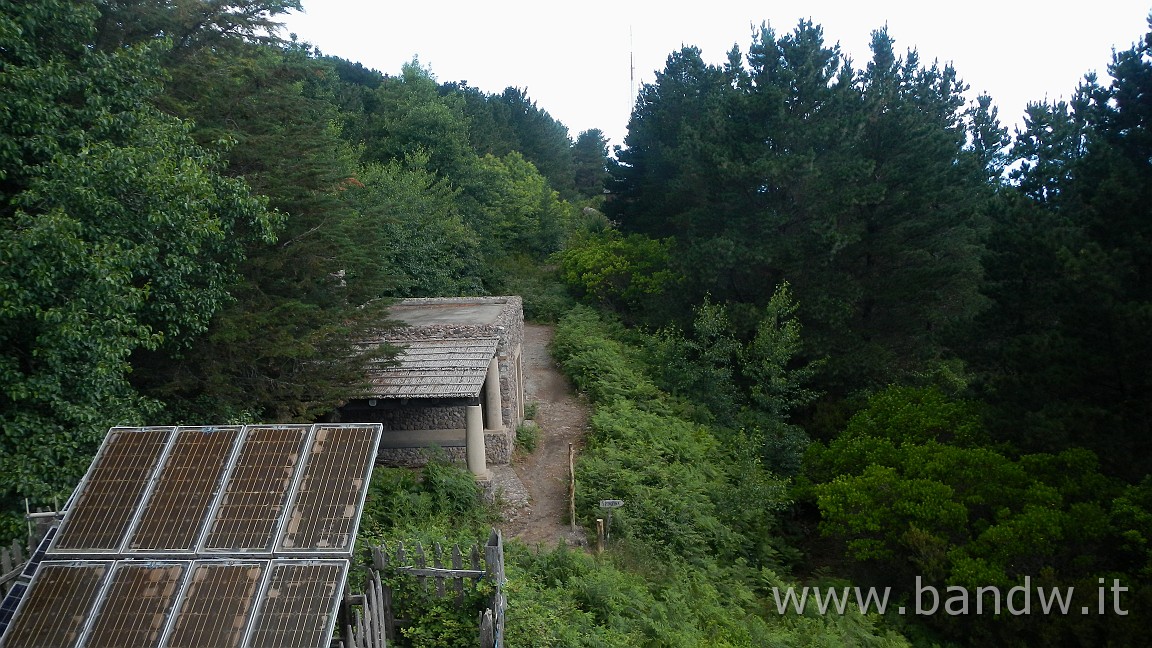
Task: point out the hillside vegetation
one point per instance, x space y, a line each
837 326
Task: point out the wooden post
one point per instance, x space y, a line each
347 617
571 490
487 630
599 535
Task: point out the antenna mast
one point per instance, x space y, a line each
631 67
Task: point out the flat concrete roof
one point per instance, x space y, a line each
425 314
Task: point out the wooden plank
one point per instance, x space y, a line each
487 630
441 573
494 557
458 584
438 565
379 626
389 613
418 559
359 632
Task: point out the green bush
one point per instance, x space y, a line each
439 503
434 621
600 366
682 486
527 436
546 298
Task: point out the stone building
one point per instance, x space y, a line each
459 384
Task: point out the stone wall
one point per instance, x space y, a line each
412 457
413 417
508 328
498 447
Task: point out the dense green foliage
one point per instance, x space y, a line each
118 233
199 221
914 488
970 344
854 187
698 541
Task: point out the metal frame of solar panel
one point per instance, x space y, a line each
38 555
109 496
249 510
183 490
205 480
68 592
222 617
282 490
284 619
133 607
130 603
323 514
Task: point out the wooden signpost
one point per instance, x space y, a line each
604 531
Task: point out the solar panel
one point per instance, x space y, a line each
111 491
299 606
179 528
57 605
38 555
325 512
10 603
136 604
216 605
257 491
173 514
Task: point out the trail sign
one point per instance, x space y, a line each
611 504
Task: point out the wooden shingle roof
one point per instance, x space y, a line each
435 368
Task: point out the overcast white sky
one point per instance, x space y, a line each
575 59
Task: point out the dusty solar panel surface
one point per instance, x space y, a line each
217 605
326 510
299 607
57 605
173 514
111 492
257 491
136 604
193 504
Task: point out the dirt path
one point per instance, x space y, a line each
544 473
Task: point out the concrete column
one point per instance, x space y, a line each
493 414
474 440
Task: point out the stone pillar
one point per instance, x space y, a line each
474 440
493 408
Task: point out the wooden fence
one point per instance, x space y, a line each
370 620
12 561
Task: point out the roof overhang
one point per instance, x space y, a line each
434 368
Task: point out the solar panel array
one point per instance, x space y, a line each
202 537
181 604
